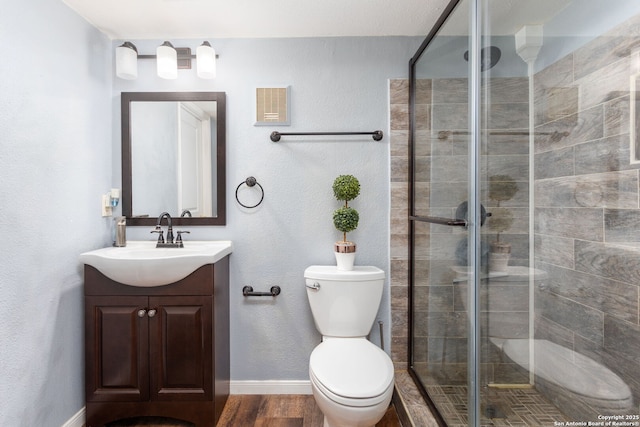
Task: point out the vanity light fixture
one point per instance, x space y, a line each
127 61
206 58
168 60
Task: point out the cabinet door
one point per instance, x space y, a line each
116 349
180 348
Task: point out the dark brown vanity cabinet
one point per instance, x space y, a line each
160 351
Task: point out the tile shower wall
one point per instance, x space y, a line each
399 225
587 214
441 185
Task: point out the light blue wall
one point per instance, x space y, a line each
59 124
337 84
55 161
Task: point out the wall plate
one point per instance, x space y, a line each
107 210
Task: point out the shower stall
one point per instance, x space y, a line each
524 213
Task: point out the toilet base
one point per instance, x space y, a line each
328 424
349 416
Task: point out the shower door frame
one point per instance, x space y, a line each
475 211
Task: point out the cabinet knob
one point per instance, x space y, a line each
151 312
142 312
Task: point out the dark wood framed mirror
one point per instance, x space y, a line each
174 157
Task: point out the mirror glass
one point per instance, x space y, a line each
173 157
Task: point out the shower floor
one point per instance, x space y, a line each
511 407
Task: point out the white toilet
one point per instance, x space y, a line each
351 378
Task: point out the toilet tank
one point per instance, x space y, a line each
344 303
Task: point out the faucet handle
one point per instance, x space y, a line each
160 232
179 238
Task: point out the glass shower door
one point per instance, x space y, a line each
471 281
524 218
440 190
559 332
469 219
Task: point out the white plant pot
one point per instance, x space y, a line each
345 261
345 255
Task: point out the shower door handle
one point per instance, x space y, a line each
452 222
457 222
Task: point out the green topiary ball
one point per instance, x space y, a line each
345 219
346 187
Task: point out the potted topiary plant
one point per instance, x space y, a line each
501 188
345 219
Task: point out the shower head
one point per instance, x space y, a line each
489 57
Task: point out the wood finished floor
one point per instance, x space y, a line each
281 411
264 411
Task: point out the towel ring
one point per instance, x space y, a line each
250 182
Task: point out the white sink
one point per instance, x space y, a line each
140 263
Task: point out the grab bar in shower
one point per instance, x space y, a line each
275 135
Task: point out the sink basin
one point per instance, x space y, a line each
140 263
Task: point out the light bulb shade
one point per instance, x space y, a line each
127 61
167 61
206 61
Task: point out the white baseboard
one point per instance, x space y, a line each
77 420
270 387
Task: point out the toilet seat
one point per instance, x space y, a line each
351 371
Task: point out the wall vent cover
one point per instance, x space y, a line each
272 106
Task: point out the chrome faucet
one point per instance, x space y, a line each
185 212
161 242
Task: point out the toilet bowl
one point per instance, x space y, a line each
352 381
351 378
577 378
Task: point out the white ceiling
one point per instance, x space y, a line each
183 19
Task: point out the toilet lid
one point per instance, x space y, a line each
331 272
351 368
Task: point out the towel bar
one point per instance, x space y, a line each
275 135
